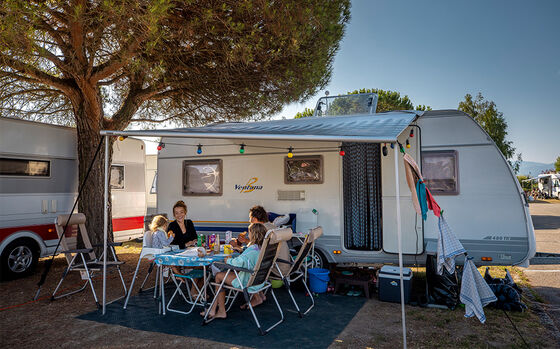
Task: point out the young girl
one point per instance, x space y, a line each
159 236
247 259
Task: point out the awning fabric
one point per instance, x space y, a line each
384 127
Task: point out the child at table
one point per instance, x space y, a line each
159 236
248 259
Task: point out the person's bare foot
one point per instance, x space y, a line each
210 315
220 315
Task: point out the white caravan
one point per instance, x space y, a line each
296 166
39 181
549 184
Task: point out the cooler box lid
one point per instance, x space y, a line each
394 271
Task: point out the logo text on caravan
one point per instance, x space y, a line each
249 187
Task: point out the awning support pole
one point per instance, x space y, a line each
105 221
399 237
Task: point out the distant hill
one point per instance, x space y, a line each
533 168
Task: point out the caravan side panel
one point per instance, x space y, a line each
488 214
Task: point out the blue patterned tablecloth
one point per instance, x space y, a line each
175 258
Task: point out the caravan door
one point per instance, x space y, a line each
412 227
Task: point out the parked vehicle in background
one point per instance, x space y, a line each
549 185
39 181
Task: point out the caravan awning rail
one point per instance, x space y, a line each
377 128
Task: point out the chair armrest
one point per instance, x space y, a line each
232 267
284 261
78 250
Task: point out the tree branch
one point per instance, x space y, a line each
43 77
118 61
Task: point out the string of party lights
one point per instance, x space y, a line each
290 149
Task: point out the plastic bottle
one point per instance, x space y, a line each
217 244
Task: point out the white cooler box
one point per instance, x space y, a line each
389 284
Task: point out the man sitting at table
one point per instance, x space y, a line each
257 214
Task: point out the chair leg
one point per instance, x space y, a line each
64 273
287 284
310 296
132 284
90 282
205 319
157 283
261 331
119 270
146 278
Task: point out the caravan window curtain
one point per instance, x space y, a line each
361 166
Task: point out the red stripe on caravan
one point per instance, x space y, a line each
128 223
45 231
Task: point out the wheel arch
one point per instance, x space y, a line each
25 234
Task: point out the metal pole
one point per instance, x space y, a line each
105 221
399 237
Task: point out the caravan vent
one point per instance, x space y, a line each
291 194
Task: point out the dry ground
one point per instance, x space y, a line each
377 325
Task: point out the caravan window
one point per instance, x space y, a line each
303 170
153 190
117 177
440 172
25 168
202 178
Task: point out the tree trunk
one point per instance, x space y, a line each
92 198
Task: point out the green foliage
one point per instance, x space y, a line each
493 122
524 185
557 164
306 112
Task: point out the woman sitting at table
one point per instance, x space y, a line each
248 259
185 236
185 233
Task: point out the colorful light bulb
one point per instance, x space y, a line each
199 149
407 144
290 152
160 146
122 138
242 149
341 152
384 149
411 133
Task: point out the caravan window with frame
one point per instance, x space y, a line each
117 177
25 167
303 169
202 177
440 171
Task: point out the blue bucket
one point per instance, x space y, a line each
318 280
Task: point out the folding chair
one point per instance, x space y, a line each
295 272
259 275
83 260
149 253
193 274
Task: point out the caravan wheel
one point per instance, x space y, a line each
318 260
19 258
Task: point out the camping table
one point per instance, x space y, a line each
174 258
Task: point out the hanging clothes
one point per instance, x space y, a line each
475 292
448 247
413 175
432 204
422 201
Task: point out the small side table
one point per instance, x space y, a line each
363 281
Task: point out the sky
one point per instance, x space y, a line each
437 51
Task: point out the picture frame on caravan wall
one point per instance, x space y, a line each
203 177
303 169
117 177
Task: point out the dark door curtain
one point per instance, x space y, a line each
361 168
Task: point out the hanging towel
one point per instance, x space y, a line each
475 292
412 176
432 204
421 192
448 247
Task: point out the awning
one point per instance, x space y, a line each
384 127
